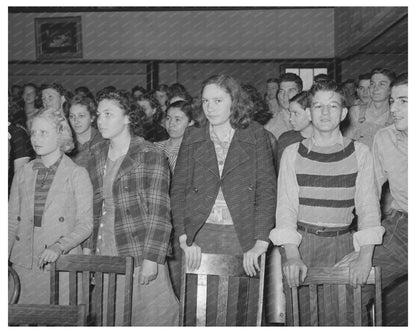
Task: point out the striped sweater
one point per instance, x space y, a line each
326 185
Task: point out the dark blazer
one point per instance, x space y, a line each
142 224
248 182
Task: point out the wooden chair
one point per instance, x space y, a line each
47 315
220 293
14 286
339 276
99 265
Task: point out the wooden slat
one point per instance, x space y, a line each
128 295
233 300
243 298
261 289
47 315
357 306
295 307
182 297
80 263
332 275
98 298
111 300
201 307
327 304
73 288
342 305
222 301
313 304
54 290
86 288
378 296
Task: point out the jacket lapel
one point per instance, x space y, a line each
236 155
30 185
130 161
205 155
61 175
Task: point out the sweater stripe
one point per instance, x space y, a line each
326 203
347 180
326 158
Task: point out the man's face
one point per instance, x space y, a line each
326 111
398 106
379 87
286 91
363 91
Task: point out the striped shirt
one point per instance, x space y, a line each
44 181
324 187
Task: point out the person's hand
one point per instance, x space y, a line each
192 253
86 251
294 268
251 257
148 271
359 270
50 254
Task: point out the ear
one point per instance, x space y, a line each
191 123
344 113
308 112
126 119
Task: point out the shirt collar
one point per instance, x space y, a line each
340 141
214 137
38 164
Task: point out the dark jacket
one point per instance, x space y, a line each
248 183
141 198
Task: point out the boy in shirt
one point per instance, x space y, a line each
321 180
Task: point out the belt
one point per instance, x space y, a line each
323 231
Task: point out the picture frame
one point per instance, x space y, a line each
58 37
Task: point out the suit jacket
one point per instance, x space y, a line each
142 224
67 215
248 183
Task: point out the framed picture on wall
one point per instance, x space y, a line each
58 37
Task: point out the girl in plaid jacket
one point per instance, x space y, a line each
130 177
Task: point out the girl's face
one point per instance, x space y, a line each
177 122
29 95
216 103
299 118
80 118
112 120
44 137
147 108
51 99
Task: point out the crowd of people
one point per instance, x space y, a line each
162 176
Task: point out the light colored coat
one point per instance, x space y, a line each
67 215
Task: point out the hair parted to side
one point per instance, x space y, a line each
329 85
55 117
401 80
124 101
302 99
241 107
391 75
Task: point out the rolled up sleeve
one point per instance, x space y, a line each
370 231
287 201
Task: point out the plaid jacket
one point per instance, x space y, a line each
142 224
248 183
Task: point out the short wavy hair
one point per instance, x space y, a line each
154 104
125 101
302 99
190 111
86 101
329 85
241 107
55 117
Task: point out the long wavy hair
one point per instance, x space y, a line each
241 105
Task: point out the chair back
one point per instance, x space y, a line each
92 288
47 315
220 293
14 286
339 277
